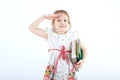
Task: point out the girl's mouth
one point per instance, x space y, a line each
62 26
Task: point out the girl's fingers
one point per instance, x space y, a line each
79 62
77 66
48 16
51 16
54 16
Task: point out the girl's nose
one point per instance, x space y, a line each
62 22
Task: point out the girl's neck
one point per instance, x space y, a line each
60 33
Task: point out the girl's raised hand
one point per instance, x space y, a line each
50 16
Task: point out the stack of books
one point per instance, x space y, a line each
77 53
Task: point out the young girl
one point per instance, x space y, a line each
59 38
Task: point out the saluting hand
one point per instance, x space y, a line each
51 16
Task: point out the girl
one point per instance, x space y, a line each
59 38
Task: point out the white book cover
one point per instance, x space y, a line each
73 55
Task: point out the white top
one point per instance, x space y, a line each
56 40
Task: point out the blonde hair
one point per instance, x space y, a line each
61 11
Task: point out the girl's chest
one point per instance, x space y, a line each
61 41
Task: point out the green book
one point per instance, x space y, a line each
79 51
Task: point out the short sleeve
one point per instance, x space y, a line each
48 33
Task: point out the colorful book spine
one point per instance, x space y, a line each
79 51
77 48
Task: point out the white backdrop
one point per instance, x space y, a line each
23 56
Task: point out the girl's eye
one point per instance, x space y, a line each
65 20
61 20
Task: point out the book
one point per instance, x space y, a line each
79 52
73 55
76 51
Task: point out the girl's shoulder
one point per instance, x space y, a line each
74 34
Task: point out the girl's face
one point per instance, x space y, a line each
61 24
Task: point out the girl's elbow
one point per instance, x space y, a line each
30 28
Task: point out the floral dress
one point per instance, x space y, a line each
60 66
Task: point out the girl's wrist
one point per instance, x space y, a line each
44 16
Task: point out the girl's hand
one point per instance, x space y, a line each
79 64
50 16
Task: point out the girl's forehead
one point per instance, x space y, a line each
61 15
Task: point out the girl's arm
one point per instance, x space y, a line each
38 31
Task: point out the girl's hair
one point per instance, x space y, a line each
64 12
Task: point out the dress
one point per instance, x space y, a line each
55 44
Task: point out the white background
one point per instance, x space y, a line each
23 56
